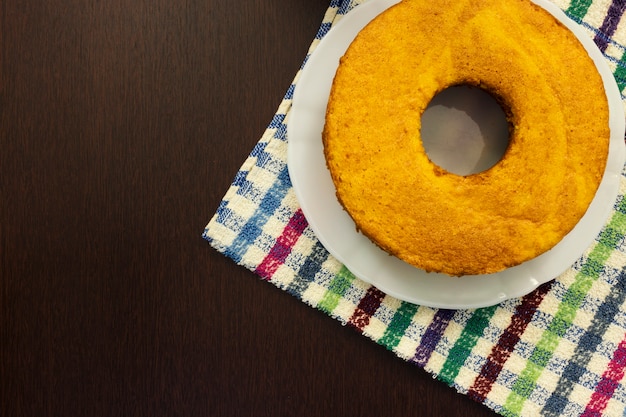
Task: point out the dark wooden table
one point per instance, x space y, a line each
122 124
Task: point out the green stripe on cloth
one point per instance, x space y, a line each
619 222
564 317
462 348
620 73
399 323
579 8
337 288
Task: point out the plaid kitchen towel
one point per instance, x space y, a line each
560 350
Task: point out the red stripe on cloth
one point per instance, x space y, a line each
501 352
608 384
283 246
366 309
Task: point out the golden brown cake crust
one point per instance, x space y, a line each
485 222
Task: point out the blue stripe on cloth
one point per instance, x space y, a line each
266 160
619 205
345 7
226 217
240 178
281 132
258 149
306 273
306 59
277 121
576 368
222 211
248 190
289 93
324 28
223 215
253 227
269 162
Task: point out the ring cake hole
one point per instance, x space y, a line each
464 130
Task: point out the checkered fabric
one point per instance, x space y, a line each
558 351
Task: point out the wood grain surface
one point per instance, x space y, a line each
122 124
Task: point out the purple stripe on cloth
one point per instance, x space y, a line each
366 309
611 20
431 337
501 352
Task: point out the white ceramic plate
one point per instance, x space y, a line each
336 230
